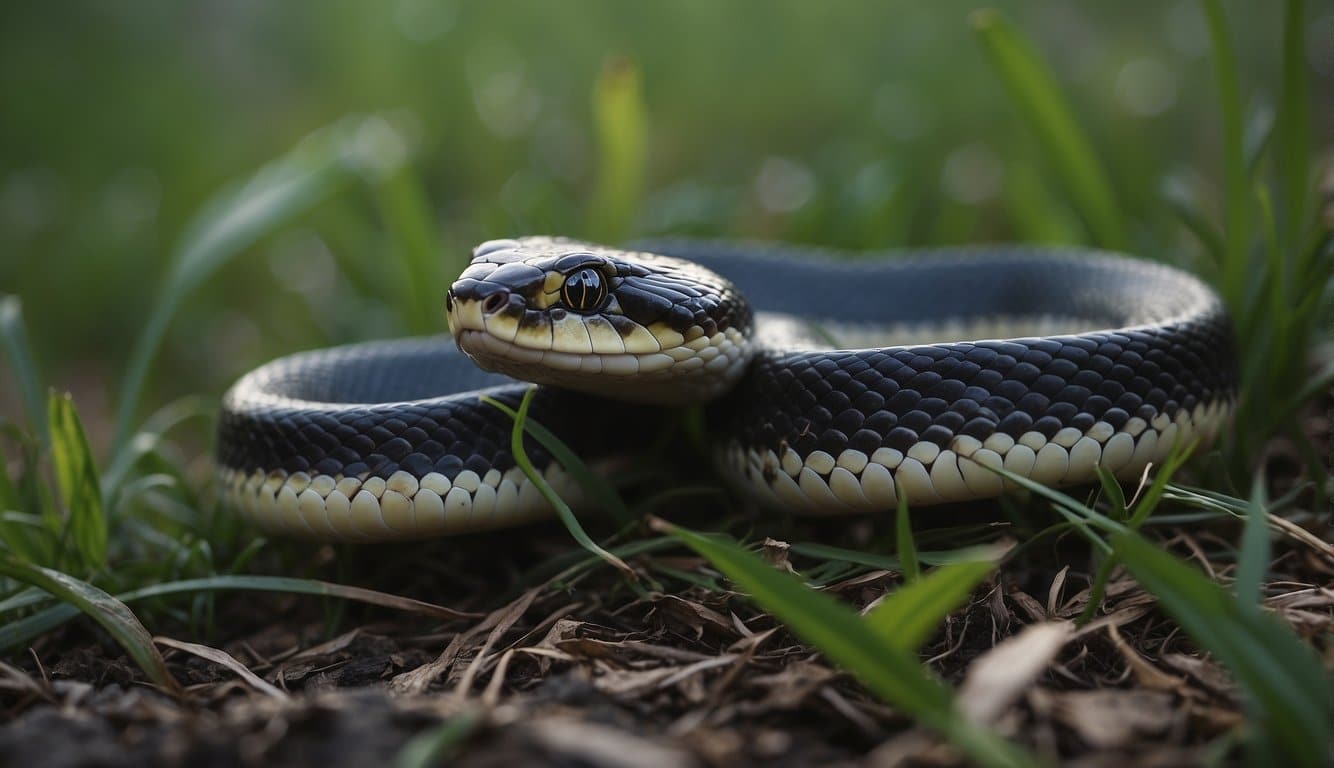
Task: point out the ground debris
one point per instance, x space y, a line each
586 669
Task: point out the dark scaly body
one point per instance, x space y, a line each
1143 358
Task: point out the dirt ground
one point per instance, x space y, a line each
548 665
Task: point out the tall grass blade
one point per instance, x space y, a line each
1253 559
110 613
1035 92
422 260
18 351
1293 132
232 222
10 501
907 618
146 441
1319 382
76 477
891 672
1288 690
1183 204
622 127
1237 188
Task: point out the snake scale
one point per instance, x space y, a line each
830 384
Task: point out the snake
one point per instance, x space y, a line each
827 383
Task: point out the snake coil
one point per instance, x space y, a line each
832 385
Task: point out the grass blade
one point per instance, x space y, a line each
1293 148
14 341
1287 689
1183 205
1034 90
1111 489
1253 560
146 441
1080 516
29 536
232 222
891 672
18 632
434 746
903 539
883 562
112 614
622 127
10 500
907 618
566 514
76 477
1149 501
1236 205
407 217
599 490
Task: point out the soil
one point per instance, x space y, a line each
586 669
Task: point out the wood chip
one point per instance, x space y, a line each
579 741
1001 675
1209 674
1108 719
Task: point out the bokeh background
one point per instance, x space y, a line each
853 124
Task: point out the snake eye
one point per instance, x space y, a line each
584 290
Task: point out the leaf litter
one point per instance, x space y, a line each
581 668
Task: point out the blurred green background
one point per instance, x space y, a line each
851 124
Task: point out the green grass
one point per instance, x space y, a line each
79 536
1289 693
1034 91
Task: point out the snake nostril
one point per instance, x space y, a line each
495 302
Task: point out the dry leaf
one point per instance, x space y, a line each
694 615
1145 673
1209 674
222 658
1001 675
776 553
582 742
1115 718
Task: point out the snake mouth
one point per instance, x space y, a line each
676 376
496 354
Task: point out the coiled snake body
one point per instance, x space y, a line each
832 385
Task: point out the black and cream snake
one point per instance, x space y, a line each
832 384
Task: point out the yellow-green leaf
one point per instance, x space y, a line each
76 477
907 618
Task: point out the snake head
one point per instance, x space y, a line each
621 324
